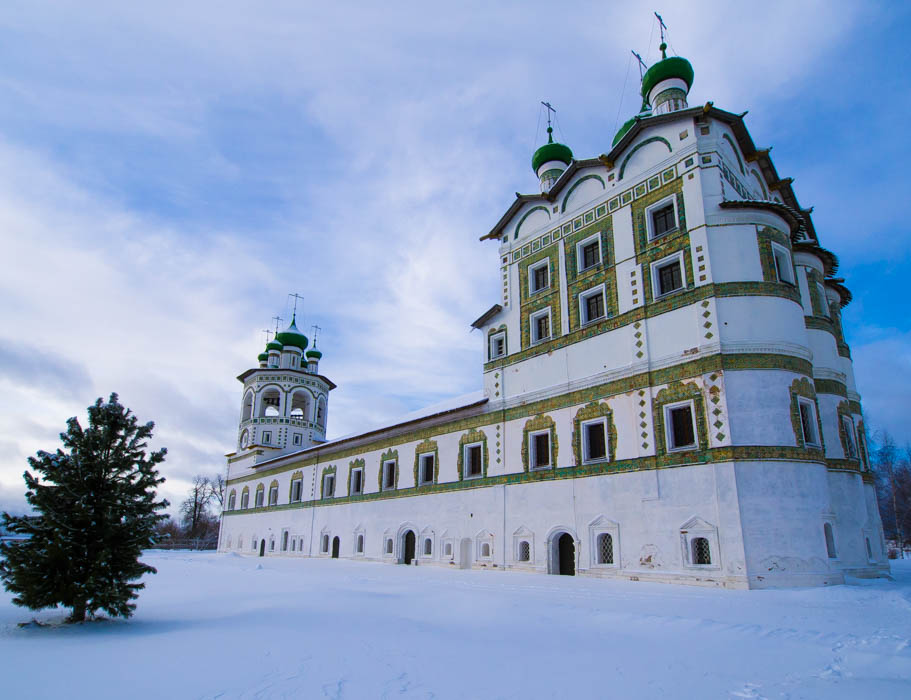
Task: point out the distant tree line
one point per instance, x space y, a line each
892 468
198 516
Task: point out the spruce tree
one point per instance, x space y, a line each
94 512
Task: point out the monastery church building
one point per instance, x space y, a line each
667 391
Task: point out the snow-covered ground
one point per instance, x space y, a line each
225 626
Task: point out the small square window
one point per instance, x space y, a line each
426 465
389 474
591 305
539 449
497 345
357 481
667 275
808 422
540 326
296 439
850 438
539 277
594 440
472 459
267 436
784 270
662 218
680 426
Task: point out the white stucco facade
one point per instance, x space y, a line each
667 393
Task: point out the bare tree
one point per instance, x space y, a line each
219 487
194 509
894 473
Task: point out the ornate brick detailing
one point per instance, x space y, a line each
717 407
331 469
469 438
538 423
296 475
602 273
596 409
672 393
805 388
830 386
425 447
542 299
356 464
764 237
862 443
844 410
385 457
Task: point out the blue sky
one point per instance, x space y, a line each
169 172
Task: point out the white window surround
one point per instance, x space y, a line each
603 526
523 534
583 309
389 464
328 485
273 495
354 489
296 439
297 489
784 268
586 458
693 529
668 426
531 276
466 460
580 258
388 546
496 346
532 451
851 434
533 326
360 541
484 546
655 266
660 204
810 406
324 543
421 467
267 437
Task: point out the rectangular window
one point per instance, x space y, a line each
850 439
783 268
245 500
297 439
426 465
540 326
273 495
267 436
497 345
540 450
389 474
823 302
472 457
663 219
594 442
259 499
668 276
808 422
231 502
329 486
681 430
588 253
296 488
357 481
539 277
591 305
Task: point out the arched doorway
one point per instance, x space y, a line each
262 548
408 547
566 555
465 553
335 547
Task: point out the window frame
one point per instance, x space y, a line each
580 255
273 495
421 458
490 345
665 262
586 454
394 464
329 477
532 269
649 217
814 422
245 500
232 501
299 482
599 290
850 437
466 461
823 300
297 439
267 437
533 326
668 425
789 268
533 450
351 490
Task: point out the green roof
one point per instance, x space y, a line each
627 125
313 352
274 345
551 151
673 67
292 337
263 357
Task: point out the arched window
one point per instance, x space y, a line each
321 413
485 550
524 551
293 545
360 544
428 547
247 409
285 541
253 543
830 540
300 405
269 402
272 544
701 553
232 499
389 546
325 544
606 549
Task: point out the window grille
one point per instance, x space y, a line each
594 307
293 545
701 552
542 327
807 423
605 549
524 551
389 475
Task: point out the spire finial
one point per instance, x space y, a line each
315 329
277 319
550 128
663 47
296 296
268 335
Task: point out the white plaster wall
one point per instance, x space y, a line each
759 407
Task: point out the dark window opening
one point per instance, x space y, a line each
591 255
701 553
663 220
682 434
541 456
670 278
473 454
595 442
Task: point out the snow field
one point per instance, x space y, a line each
229 626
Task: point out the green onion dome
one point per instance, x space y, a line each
274 345
314 354
551 151
673 67
263 357
292 337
